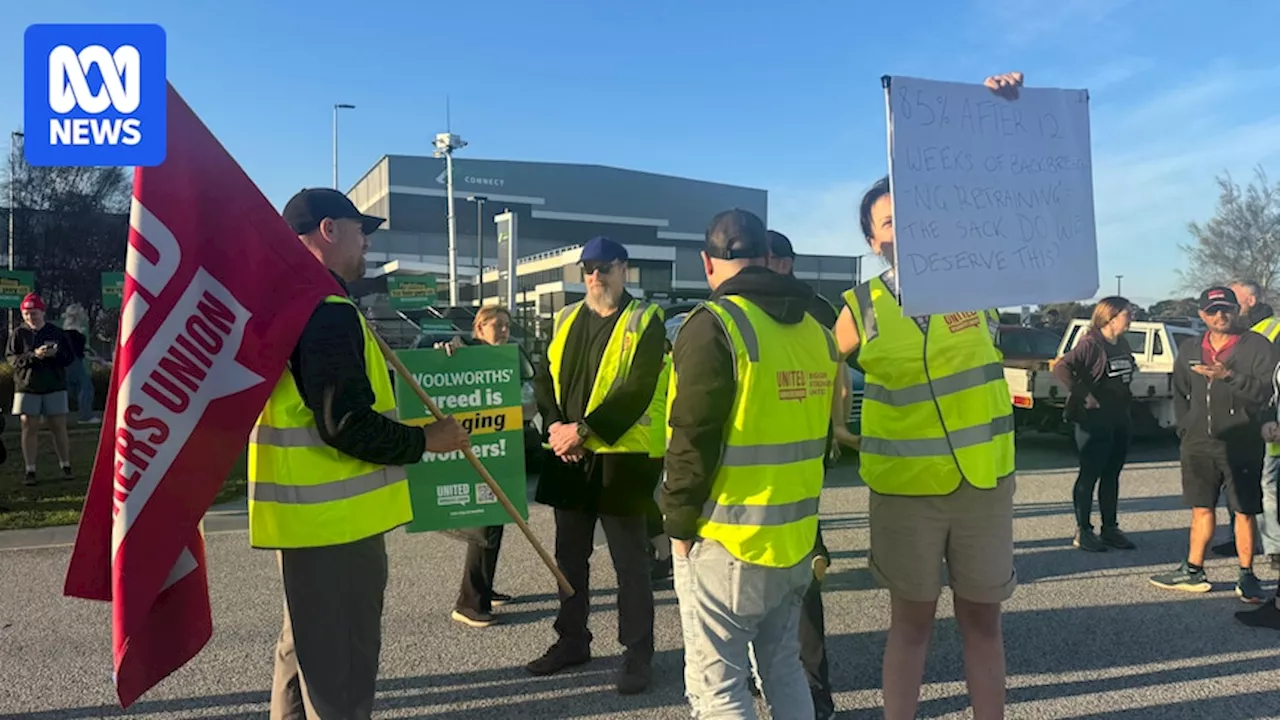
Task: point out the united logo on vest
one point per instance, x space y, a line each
936 410
763 506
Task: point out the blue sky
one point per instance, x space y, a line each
782 96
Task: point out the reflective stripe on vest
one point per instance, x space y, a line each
615 365
305 493
936 408
763 506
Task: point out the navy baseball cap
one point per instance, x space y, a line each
305 211
736 235
602 249
780 245
1218 297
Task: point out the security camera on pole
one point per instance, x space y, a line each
446 143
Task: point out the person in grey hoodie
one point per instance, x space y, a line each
1096 373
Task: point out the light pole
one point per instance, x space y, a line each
13 166
446 143
479 200
336 108
1118 278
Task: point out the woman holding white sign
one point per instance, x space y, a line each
477 598
937 453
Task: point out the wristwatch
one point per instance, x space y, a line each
583 430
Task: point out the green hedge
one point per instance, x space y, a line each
101 385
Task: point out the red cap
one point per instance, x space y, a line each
32 302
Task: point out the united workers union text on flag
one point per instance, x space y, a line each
216 293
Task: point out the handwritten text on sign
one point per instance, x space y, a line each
992 198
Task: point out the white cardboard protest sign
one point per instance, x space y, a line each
992 198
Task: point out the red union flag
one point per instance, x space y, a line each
216 293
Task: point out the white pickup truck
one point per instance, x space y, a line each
1038 398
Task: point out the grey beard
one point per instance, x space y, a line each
603 302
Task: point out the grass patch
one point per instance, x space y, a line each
58 501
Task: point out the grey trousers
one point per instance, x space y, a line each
326 665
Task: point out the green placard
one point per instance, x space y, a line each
14 285
411 292
112 289
480 386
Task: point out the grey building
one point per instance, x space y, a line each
660 218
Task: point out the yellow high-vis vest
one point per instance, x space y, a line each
658 411
615 365
936 409
1269 328
763 506
303 492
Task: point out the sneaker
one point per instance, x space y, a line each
1248 589
1183 579
1267 616
634 676
1087 541
499 599
473 618
557 658
1112 537
1226 549
30 479
66 472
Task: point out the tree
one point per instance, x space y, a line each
1184 307
1241 241
70 226
1069 310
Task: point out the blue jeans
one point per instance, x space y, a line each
733 613
80 385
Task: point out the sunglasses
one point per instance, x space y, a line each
1220 310
590 267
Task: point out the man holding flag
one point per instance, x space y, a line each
223 313
327 480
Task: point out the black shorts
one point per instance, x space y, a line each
1205 475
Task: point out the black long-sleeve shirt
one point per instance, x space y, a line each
36 375
330 357
584 349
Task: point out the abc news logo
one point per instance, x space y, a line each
101 92
69 90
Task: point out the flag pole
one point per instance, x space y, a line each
405 375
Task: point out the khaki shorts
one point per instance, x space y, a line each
971 529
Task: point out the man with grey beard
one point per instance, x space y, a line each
594 391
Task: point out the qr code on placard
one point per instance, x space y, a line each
484 495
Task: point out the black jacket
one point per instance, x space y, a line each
34 375
1229 412
613 483
329 357
705 392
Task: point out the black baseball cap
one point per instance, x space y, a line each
780 245
736 235
1218 297
310 206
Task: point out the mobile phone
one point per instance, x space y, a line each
1194 363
